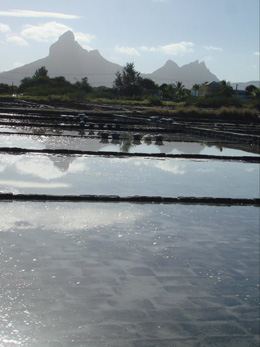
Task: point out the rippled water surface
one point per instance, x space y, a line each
82 274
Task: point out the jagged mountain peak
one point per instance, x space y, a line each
65 43
69 59
170 63
67 36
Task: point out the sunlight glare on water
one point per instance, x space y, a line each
85 273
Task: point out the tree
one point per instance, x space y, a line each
179 91
127 83
167 90
148 86
41 72
83 85
226 89
251 89
196 88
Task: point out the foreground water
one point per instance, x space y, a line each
82 274
49 174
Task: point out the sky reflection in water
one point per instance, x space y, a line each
52 174
95 144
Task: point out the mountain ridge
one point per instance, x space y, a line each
69 59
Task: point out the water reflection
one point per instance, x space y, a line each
91 274
127 176
125 144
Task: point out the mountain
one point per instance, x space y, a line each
67 58
188 74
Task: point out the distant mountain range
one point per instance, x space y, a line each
67 58
188 74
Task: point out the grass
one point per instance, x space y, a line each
165 109
230 113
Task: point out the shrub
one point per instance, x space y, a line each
155 101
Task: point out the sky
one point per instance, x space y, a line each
222 33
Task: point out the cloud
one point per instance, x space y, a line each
84 39
18 40
212 48
148 49
126 50
257 53
171 49
46 32
177 48
51 31
37 14
4 28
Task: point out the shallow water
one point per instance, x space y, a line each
77 175
91 143
82 274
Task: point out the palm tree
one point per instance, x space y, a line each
196 88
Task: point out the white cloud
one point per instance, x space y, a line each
4 28
177 48
126 50
84 39
172 49
18 40
51 31
46 32
212 48
257 53
148 49
37 14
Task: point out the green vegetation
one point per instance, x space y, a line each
130 88
197 112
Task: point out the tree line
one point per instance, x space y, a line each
127 84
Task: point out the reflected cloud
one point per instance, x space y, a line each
67 217
78 165
205 170
40 166
28 184
250 169
46 169
172 167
